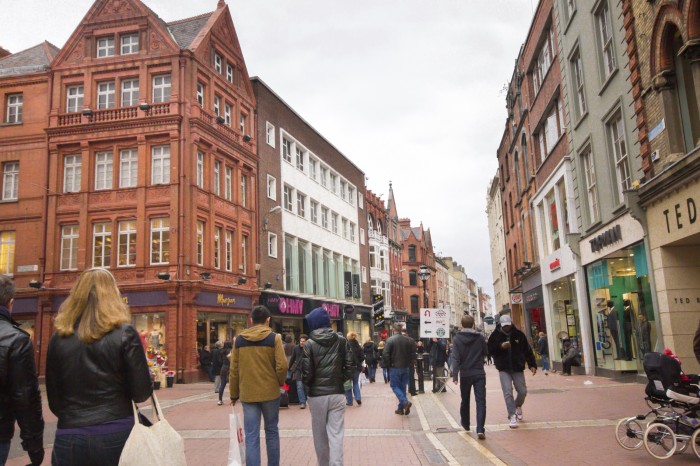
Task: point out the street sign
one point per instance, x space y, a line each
434 323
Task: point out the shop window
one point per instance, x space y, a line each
151 328
7 252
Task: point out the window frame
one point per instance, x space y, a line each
104 49
160 172
271 187
162 231
272 246
106 97
8 248
10 180
128 165
75 175
161 91
128 48
133 100
270 134
103 257
71 235
75 102
126 237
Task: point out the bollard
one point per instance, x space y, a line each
419 371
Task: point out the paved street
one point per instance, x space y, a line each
568 420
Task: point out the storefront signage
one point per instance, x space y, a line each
134 299
554 265
347 284
291 306
608 237
27 268
25 305
208 298
333 309
516 298
688 212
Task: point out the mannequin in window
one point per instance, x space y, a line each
614 329
627 316
154 338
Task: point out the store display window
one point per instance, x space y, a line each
566 321
622 311
213 327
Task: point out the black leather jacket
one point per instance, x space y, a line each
20 398
399 352
326 364
92 384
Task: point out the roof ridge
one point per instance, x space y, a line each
179 21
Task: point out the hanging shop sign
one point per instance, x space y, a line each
554 265
516 298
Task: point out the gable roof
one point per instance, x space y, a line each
31 60
186 30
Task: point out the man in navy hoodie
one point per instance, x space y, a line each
468 353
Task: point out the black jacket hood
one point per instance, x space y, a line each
324 336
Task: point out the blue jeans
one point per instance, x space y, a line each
371 372
300 391
545 362
270 411
465 387
398 381
86 450
385 373
355 388
4 452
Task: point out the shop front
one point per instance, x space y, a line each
672 205
533 303
288 312
620 297
220 317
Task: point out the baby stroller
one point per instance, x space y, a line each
677 425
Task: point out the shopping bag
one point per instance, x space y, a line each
236 448
363 380
155 445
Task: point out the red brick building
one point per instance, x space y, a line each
417 251
139 155
398 305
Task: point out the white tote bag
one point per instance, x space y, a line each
236 448
157 445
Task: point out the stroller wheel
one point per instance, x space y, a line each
660 441
695 442
629 432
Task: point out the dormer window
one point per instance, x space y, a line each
218 63
105 47
229 73
129 44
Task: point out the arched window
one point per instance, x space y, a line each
379 227
516 166
369 222
687 100
412 278
414 304
523 148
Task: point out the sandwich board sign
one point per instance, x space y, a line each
434 323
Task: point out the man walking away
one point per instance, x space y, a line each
399 354
438 357
216 363
21 400
511 350
543 351
468 352
295 369
326 364
258 369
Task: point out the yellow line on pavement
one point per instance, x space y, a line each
476 445
433 439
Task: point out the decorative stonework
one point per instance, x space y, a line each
78 53
68 200
118 8
156 41
129 274
159 192
100 198
129 195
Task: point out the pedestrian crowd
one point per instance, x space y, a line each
94 342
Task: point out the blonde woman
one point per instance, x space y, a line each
385 370
95 367
358 357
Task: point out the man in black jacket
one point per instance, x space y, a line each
468 352
511 350
438 358
325 366
20 400
399 354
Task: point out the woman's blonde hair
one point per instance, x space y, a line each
352 336
381 344
94 305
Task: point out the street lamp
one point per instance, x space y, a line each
424 275
266 221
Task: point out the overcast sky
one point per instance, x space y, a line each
409 90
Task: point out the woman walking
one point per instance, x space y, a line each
358 356
95 368
225 369
370 352
385 370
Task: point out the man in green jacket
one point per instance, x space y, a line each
258 369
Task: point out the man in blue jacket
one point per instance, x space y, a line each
468 353
511 350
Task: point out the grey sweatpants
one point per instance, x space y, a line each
508 380
328 427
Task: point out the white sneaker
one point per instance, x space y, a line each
519 413
513 422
